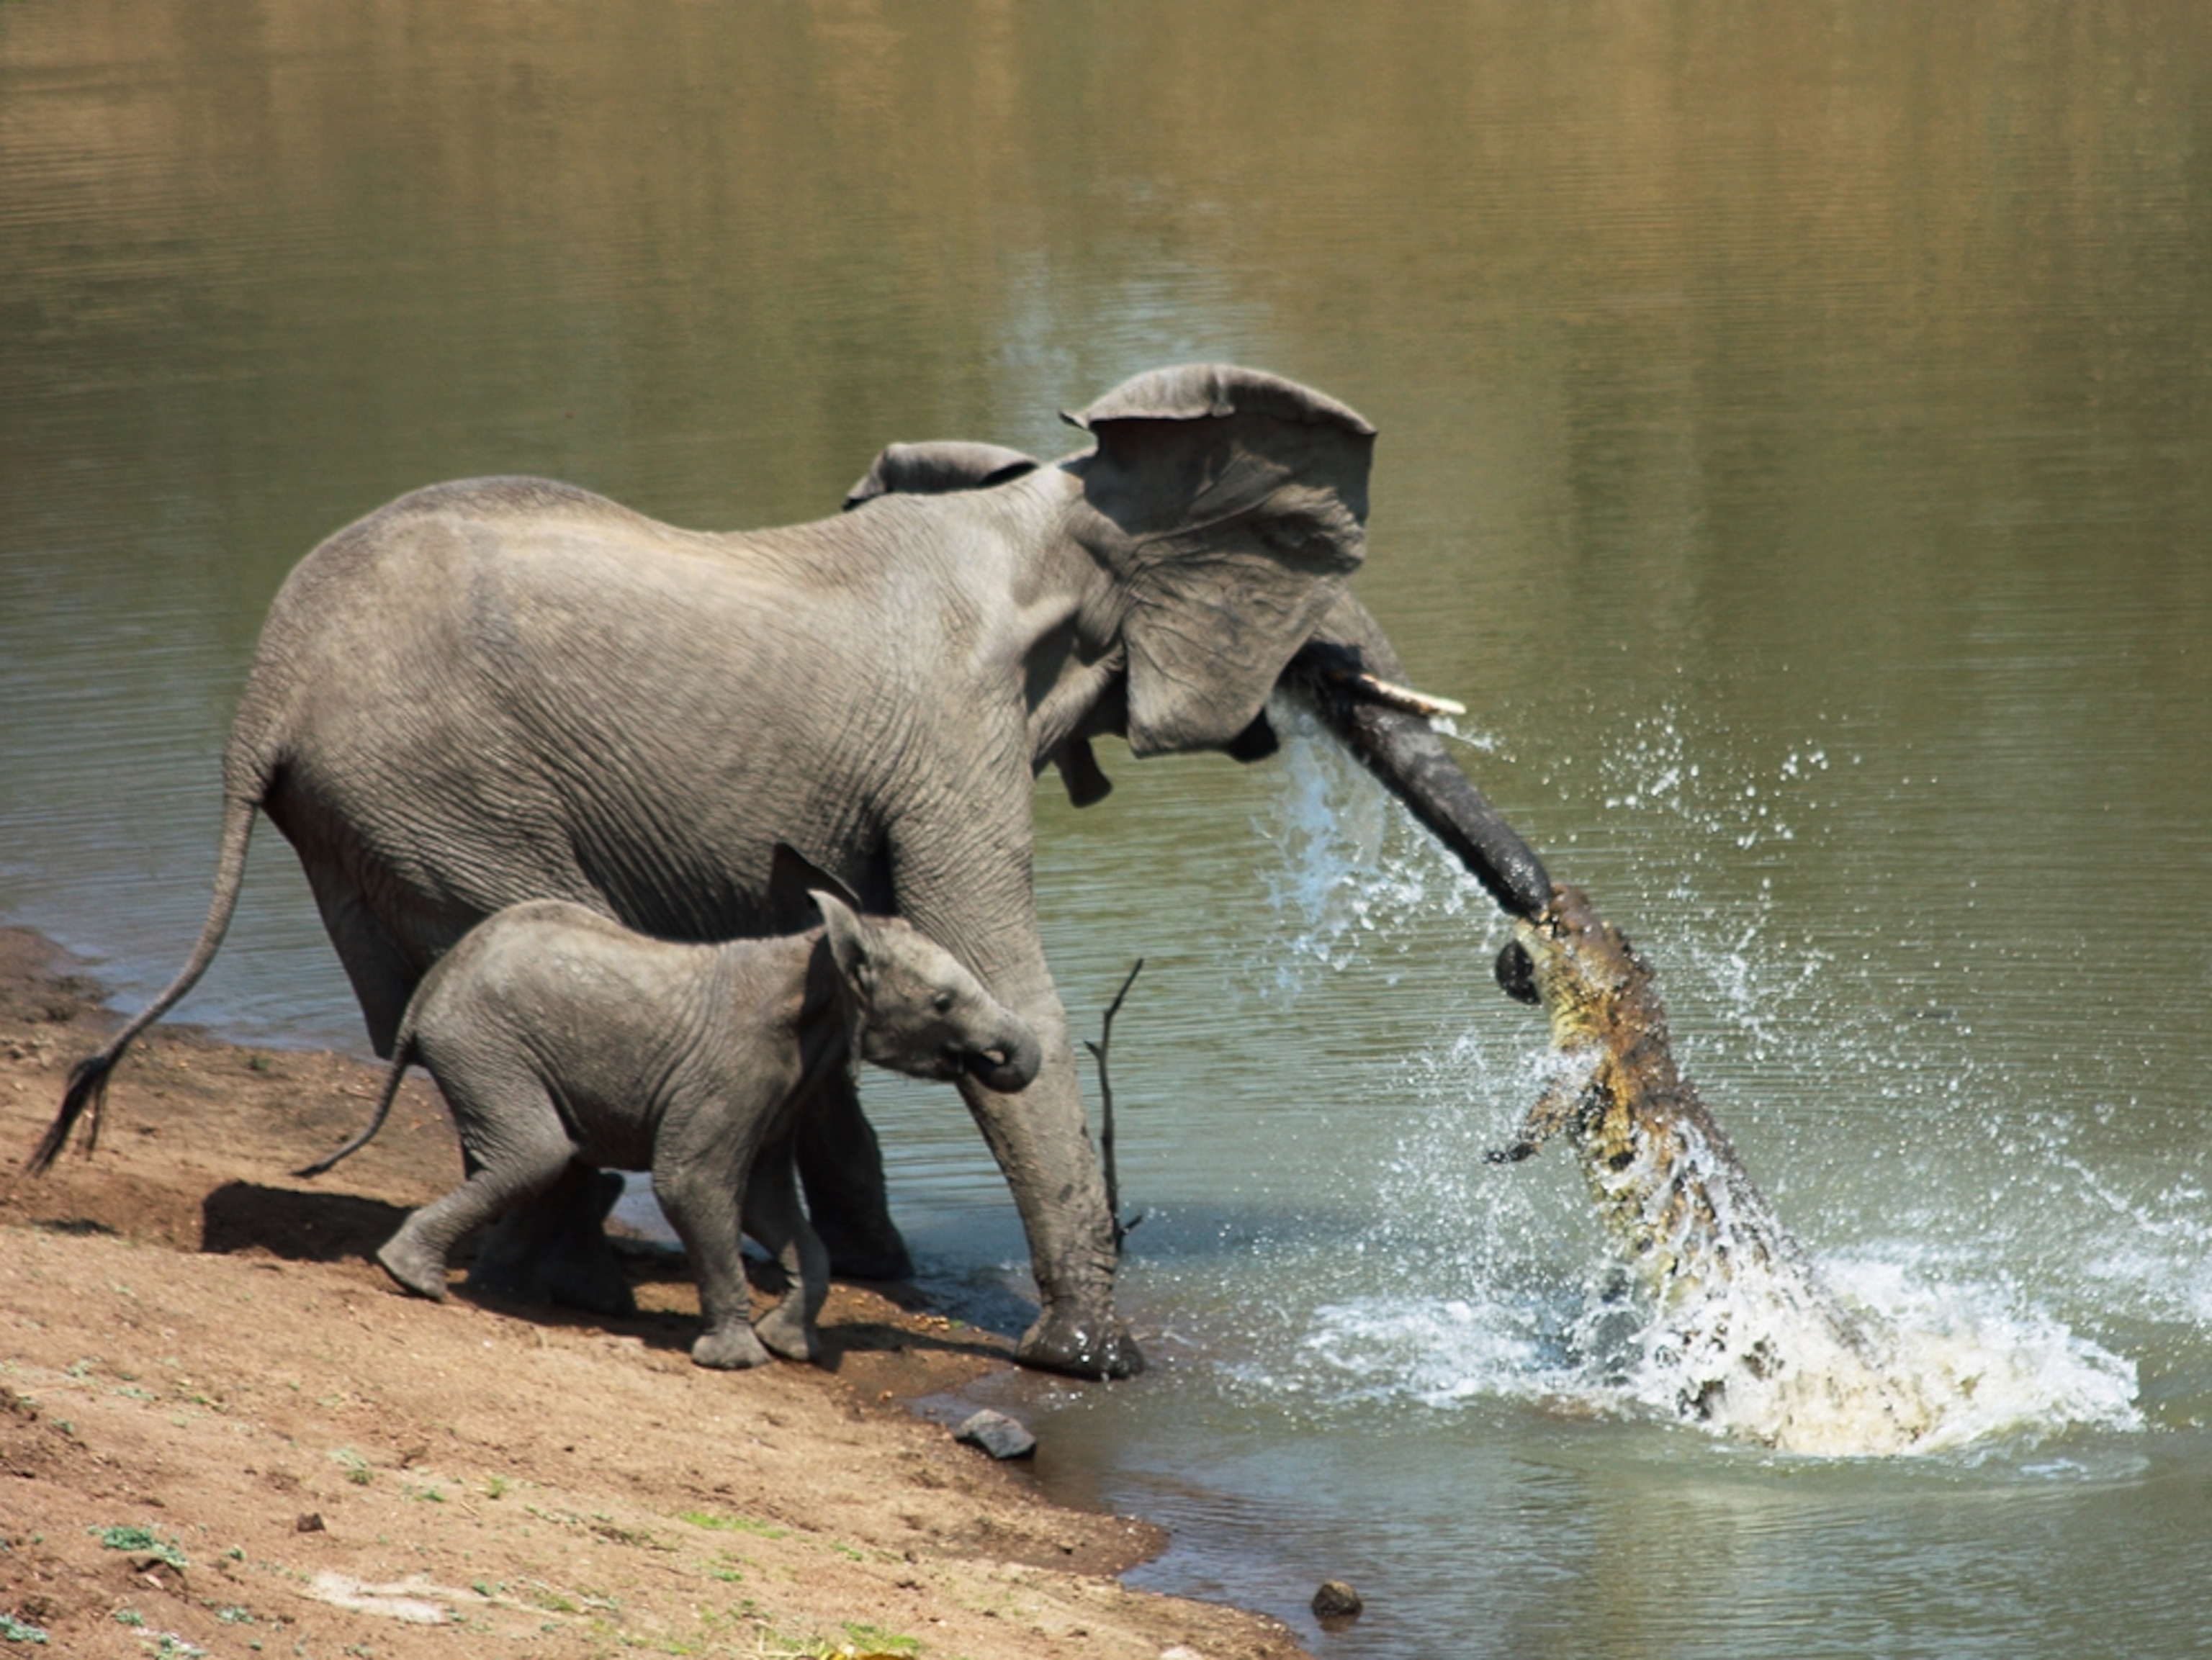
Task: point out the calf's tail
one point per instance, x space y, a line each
88 1080
402 1052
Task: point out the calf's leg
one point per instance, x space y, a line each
698 1190
416 1256
773 1216
553 1249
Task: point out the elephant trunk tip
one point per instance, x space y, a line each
1009 1066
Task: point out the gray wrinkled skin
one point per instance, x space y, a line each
561 1038
507 689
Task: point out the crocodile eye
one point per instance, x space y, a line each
1517 973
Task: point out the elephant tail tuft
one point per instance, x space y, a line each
87 1091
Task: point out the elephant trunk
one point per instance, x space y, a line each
1008 1065
1399 747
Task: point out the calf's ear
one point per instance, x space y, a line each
850 948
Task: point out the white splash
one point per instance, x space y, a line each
1948 1370
1769 1356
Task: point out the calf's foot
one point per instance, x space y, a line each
414 1266
791 1335
728 1349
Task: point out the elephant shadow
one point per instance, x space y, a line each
297 1225
886 1338
302 1226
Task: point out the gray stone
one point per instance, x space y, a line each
1336 1600
997 1434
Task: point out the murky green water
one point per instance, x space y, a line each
1795 429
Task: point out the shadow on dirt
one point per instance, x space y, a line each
300 1227
940 1337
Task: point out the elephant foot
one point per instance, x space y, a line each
728 1349
794 1338
585 1275
412 1268
555 1250
506 1269
1062 1342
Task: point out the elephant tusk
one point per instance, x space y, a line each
1401 698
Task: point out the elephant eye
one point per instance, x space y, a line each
942 1002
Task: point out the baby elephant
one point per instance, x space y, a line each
559 1036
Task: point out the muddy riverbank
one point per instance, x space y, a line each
219 1425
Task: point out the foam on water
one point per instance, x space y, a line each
1949 1369
1764 1359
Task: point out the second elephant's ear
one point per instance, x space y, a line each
937 469
1231 507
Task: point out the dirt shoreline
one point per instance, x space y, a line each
221 1431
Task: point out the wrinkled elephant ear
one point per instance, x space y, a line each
1231 506
937 469
850 947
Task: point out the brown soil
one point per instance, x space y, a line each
222 1430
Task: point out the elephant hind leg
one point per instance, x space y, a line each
381 973
532 1156
554 1249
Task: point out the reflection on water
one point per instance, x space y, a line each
1794 431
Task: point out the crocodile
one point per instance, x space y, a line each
1743 1333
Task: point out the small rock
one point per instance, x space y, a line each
997 1434
310 1523
1336 1600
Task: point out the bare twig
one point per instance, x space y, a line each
1106 1111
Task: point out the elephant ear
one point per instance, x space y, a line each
851 947
937 469
1231 507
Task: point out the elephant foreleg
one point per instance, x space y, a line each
971 893
1043 1146
1040 1141
773 1216
842 1166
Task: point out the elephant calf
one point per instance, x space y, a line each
560 1037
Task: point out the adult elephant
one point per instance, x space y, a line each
506 689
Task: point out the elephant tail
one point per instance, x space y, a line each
87 1091
402 1055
